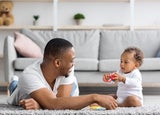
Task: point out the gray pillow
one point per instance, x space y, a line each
85 42
113 43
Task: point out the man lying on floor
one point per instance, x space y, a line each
50 83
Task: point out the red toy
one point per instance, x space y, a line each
111 76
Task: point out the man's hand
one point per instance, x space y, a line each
29 104
107 101
113 95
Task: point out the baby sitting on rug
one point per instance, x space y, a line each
129 78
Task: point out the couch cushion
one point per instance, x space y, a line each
22 63
109 65
86 64
114 64
150 64
113 43
86 43
81 64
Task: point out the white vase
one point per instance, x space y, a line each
35 22
79 22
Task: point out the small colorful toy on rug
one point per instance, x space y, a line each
97 107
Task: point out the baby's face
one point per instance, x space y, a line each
128 63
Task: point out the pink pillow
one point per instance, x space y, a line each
26 47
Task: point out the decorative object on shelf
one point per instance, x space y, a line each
79 17
112 25
35 21
6 16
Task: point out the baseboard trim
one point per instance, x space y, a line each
111 90
104 90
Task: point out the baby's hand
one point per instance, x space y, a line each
109 77
106 77
119 77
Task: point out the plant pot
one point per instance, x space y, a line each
35 22
79 22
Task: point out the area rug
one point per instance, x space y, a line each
145 110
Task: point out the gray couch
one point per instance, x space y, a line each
97 52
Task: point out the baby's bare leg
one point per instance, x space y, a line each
131 101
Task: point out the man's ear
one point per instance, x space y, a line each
57 62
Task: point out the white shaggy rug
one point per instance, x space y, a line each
145 110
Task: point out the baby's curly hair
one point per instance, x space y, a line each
138 54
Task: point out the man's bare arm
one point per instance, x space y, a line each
48 100
64 91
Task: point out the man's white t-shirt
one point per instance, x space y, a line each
132 86
32 79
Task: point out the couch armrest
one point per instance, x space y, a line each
9 56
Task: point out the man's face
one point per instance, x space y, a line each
67 62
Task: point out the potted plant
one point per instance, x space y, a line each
35 21
79 17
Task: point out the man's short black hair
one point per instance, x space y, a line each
56 47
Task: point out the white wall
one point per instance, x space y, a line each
97 13
24 11
146 13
